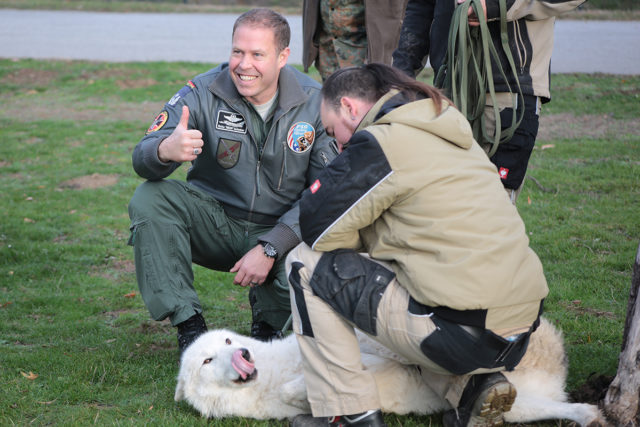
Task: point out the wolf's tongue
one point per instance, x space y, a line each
241 365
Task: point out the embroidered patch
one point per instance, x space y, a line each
232 122
315 186
504 172
300 137
158 122
228 152
181 93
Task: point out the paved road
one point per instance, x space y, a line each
580 46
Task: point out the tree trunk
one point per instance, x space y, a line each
622 402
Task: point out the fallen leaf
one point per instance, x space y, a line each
130 295
110 341
28 220
528 200
30 376
544 147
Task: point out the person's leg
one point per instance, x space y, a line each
270 304
334 375
160 220
512 157
171 225
326 339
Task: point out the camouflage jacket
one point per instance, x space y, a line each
382 22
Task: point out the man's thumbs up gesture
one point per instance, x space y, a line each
183 145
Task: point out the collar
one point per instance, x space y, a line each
291 93
372 115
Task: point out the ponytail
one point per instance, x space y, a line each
372 81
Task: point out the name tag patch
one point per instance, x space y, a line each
231 122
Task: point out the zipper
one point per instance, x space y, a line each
284 164
256 182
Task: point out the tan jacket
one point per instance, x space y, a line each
416 190
383 20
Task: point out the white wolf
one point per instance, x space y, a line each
224 374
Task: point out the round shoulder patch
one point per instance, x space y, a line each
300 137
158 122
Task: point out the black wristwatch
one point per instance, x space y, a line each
269 250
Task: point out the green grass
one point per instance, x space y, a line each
70 312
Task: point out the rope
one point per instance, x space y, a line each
466 75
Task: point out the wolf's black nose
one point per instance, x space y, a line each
245 354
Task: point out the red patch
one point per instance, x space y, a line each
158 122
504 172
315 186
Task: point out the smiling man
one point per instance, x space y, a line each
252 132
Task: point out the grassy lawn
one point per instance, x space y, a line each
76 344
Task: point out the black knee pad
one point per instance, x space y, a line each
352 285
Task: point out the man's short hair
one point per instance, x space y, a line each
267 18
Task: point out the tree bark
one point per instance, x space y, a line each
622 401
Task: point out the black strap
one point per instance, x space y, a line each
301 303
476 318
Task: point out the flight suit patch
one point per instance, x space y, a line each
228 152
301 137
158 122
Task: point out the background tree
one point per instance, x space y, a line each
622 401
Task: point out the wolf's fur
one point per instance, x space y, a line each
208 381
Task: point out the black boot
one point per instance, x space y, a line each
264 331
484 400
189 330
371 418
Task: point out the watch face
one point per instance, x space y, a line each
269 250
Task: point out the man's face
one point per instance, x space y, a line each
255 63
337 124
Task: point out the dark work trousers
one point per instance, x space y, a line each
512 157
174 224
